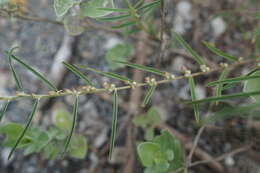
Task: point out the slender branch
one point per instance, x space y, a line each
83 90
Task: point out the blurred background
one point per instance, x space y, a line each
229 24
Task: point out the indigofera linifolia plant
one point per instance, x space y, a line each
159 152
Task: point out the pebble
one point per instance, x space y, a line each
219 26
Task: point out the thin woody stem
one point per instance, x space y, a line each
83 90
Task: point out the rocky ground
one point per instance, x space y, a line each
227 23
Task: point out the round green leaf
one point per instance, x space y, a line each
91 8
147 152
78 147
61 7
73 25
253 85
62 120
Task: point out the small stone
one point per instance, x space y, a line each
219 26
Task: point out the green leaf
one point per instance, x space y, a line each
72 25
226 97
62 119
25 129
78 73
149 133
148 95
231 111
220 52
114 18
61 7
151 119
14 73
147 151
75 115
3 110
194 97
233 80
36 73
194 54
119 52
150 5
143 68
51 151
253 85
40 139
107 74
114 124
124 25
169 143
12 132
78 147
220 86
115 9
92 9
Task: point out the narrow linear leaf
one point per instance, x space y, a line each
78 73
114 124
115 9
148 95
36 73
194 97
149 5
114 18
194 54
232 80
139 4
25 129
225 97
220 86
15 76
144 68
5 106
107 74
220 52
75 115
126 24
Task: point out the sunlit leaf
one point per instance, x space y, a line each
62 120
25 129
147 151
114 124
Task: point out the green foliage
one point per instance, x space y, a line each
194 97
119 52
148 95
220 87
161 155
72 25
47 142
93 8
253 85
220 52
114 124
61 7
31 69
3 110
194 54
148 122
